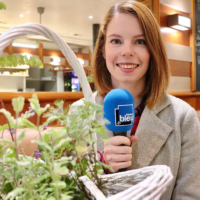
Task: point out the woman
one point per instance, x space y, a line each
130 54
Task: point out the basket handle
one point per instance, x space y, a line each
38 29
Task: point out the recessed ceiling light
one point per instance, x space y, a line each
90 17
21 15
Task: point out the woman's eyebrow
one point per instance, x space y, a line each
139 35
114 35
135 36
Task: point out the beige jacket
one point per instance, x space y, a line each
169 134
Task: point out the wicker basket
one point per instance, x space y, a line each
145 183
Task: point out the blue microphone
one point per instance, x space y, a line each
119 110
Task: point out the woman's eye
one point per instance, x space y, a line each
141 42
115 41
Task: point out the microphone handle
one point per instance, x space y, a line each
124 133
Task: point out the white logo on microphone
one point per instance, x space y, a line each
124 115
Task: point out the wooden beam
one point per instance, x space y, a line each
90 58
10 49
156 9
41 51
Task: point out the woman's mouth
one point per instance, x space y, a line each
127 66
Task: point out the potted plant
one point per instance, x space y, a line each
65 166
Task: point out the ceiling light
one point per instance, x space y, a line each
81 61
55 60
32 46
179 22
90 17
27 55
21 15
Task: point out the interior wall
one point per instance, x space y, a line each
177 44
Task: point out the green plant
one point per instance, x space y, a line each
63 154
14 61
90 79
2 6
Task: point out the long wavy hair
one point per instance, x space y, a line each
157 76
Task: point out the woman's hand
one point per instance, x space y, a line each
116 156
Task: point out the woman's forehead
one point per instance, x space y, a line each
122 24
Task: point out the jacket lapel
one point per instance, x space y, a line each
152 133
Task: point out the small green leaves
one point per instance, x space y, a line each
101 131
14 61
26 123
16 192
18 104
21 137
39 179
8 116
2 6
63 154
59 184
35 105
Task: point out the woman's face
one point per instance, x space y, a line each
126 54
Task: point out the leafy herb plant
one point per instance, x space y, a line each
64 154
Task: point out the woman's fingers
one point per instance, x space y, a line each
120 165
117 156
118 140
117 149
133 138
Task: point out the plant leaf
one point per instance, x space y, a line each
59 184
9 142
15 193
62 143
28 124
42 144
18 104
39 179
101 131
21 137
8 116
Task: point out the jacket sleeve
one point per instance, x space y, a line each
187 185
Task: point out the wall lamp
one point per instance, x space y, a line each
179 22
54 60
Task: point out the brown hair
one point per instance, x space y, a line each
157 76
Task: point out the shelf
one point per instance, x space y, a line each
50 65
14 68
31 79
10 75
71 69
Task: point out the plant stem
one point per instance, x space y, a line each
2 134
52 171
15 134
79 164
38 125
13 174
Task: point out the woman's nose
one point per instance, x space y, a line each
127 50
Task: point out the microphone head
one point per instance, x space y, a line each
119 110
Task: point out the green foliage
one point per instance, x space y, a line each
90 79
2 6
64 154
14 61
